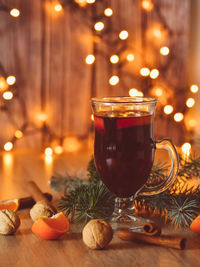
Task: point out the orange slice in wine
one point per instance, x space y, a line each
51 228
12 204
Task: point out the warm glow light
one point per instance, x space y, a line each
178 117
186 147
90 1
41 117
135 93
18 134
144 71
157 33
8 95
48 151
154 74
164 51
114 59
11 80
190 102
58 150
15 12
8 160
130 57
168 109
48 159
158 91
92 117
114 80
194 88
123 35
108 12
71 144
99 26
192 123
3 84
90 59
58 7
81 3
8 146
147 5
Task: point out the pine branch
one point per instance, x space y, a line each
190 167
88 199
88 202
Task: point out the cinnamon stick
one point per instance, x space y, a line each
28 202
35 192
166 241
151 229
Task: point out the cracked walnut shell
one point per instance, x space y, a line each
42 208
97 234
9 222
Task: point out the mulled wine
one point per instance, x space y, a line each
124 150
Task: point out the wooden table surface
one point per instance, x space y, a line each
26 249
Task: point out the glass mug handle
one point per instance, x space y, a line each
169 146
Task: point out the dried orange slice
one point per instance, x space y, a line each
12 204
51 228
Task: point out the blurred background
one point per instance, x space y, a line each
56 55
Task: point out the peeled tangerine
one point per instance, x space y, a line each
9 204
51 228
195 225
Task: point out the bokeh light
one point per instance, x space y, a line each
90 59
164 50
114 59
114 80
108 12
178 116
123 35
168 109
194 88
144 71
15 12
99 26
190 102
8 146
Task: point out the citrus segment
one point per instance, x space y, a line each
12 204
195 225
51 228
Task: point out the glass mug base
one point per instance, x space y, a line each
124 215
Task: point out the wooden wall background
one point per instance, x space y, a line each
46 52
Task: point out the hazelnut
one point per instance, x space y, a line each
97 234
42 208
9 222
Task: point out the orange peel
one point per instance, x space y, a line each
52 227
195 225
11 204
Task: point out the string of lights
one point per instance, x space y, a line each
99 19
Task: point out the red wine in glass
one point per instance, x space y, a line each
124 151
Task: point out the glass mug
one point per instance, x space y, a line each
124 149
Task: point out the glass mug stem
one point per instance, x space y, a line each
124 210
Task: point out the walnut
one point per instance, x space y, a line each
42 208
97 234
9 222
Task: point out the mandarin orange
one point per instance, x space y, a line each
12 204
195 225
52 227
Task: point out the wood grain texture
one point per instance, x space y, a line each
46 52
27 250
